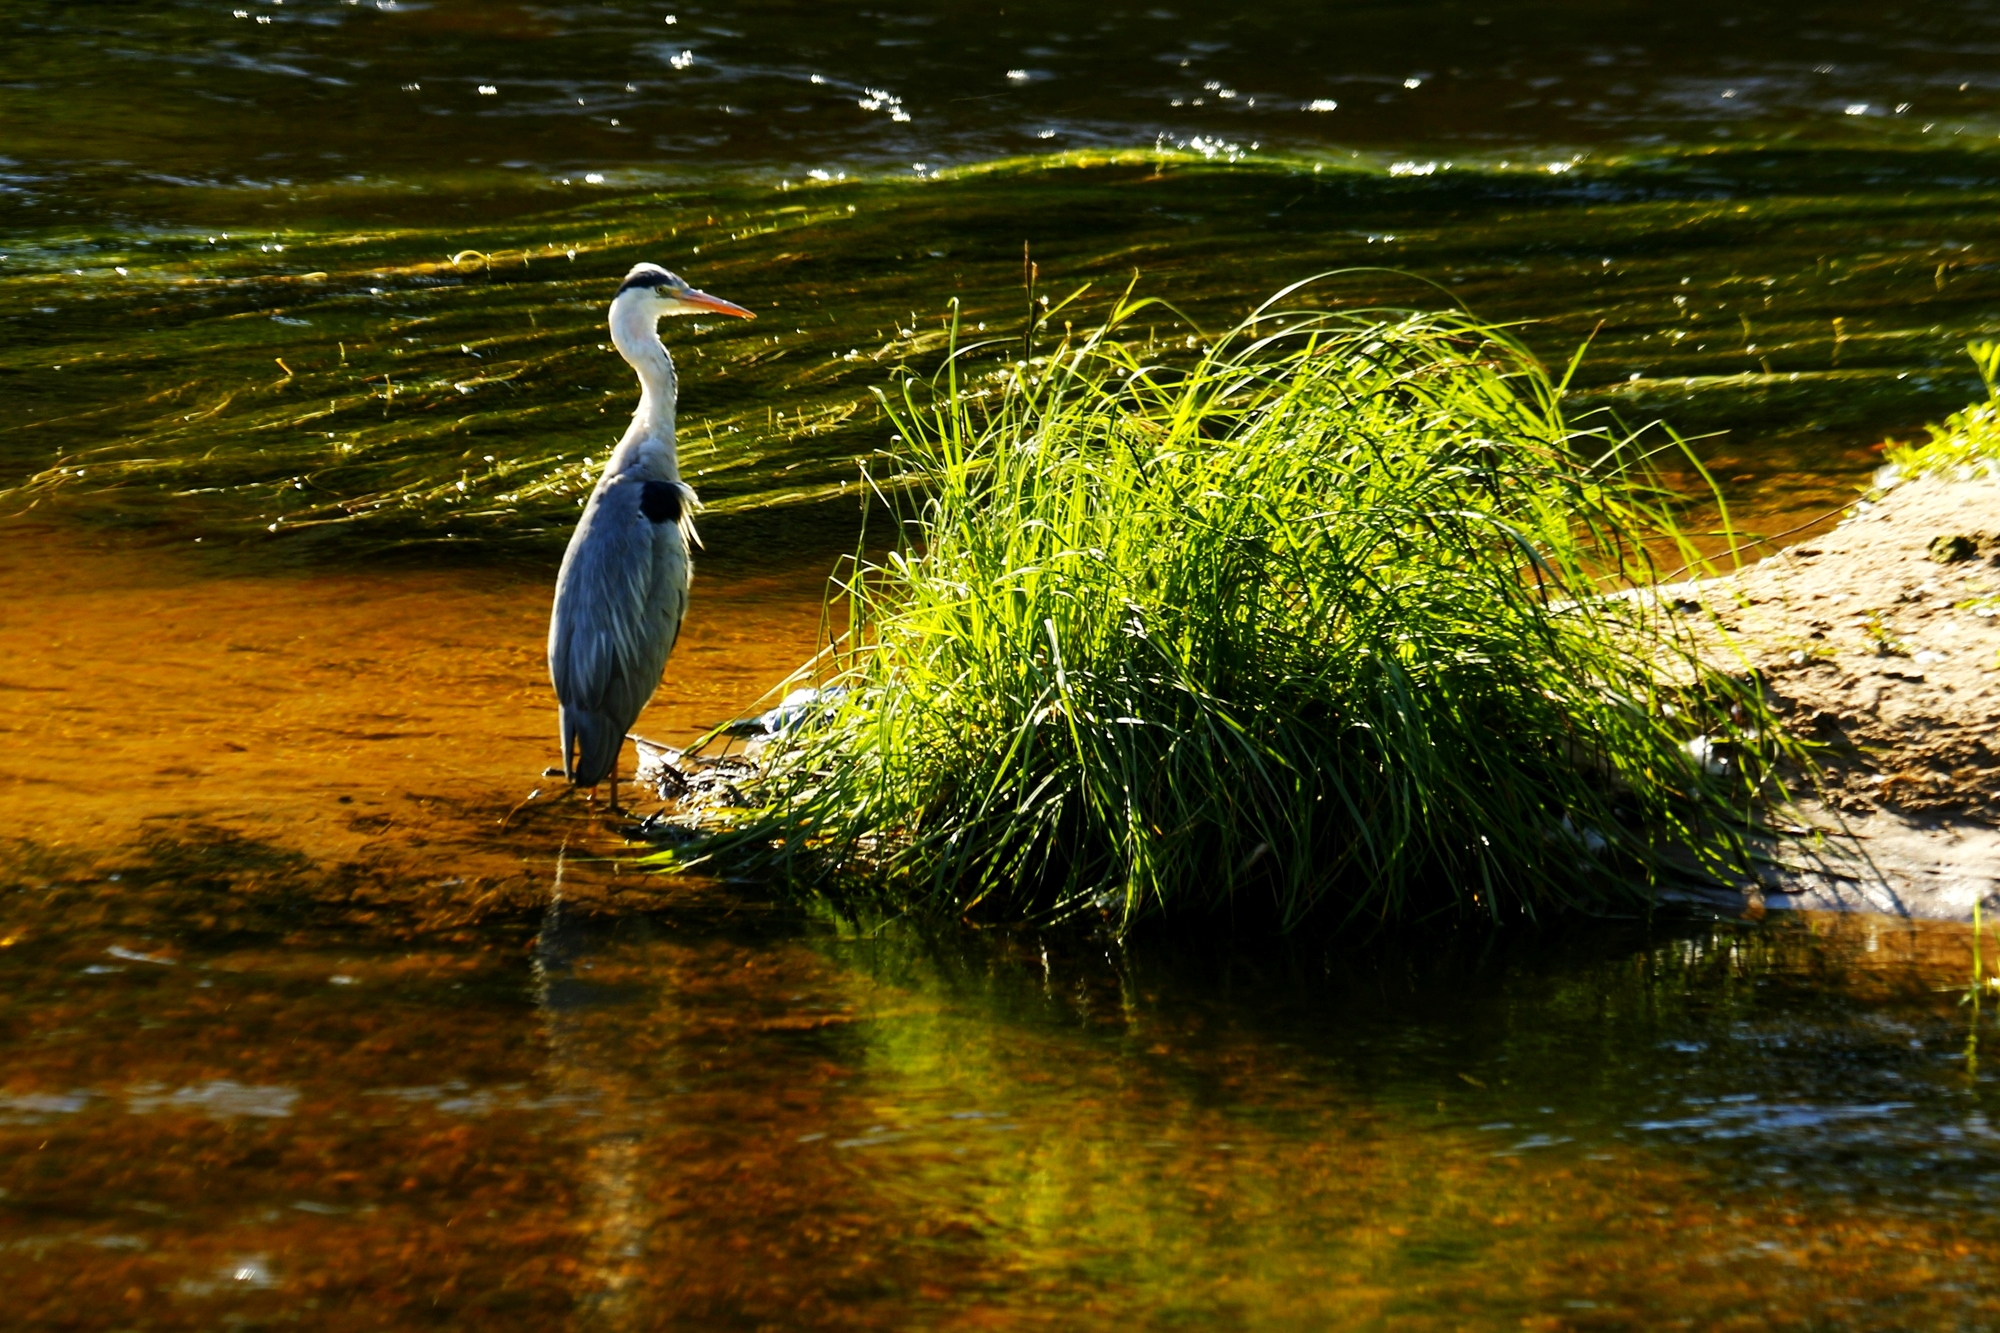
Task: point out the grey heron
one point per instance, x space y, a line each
623 587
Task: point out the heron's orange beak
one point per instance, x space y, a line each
715 303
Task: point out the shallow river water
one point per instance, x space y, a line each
301 376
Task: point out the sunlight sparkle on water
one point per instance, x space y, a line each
269 1046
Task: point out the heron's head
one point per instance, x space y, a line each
665 293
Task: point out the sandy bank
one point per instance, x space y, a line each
1881 641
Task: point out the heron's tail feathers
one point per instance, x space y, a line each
590 746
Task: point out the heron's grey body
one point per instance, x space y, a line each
623 589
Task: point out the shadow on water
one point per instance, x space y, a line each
1469 1133
290 1033
692 1108
293 1034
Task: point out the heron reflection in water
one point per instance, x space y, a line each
623 588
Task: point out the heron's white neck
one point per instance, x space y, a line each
649 443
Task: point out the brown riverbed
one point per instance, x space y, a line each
377 725
294 1035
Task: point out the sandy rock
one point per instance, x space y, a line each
1881 644
1890 861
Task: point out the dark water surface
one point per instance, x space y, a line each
425 97
707 1116
301 1029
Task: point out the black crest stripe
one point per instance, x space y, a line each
648 278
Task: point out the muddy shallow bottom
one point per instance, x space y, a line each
367 727
709 1116
294 1035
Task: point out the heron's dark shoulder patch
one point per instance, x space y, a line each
660 501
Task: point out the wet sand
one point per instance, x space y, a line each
1879 642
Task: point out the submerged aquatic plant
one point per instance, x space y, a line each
333 390
1338 615
1965 444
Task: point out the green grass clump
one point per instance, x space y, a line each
1318 620
1965 444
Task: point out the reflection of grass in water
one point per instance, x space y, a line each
1313 622
1181 1108
402 372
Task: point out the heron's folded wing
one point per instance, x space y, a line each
601 637
619 604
